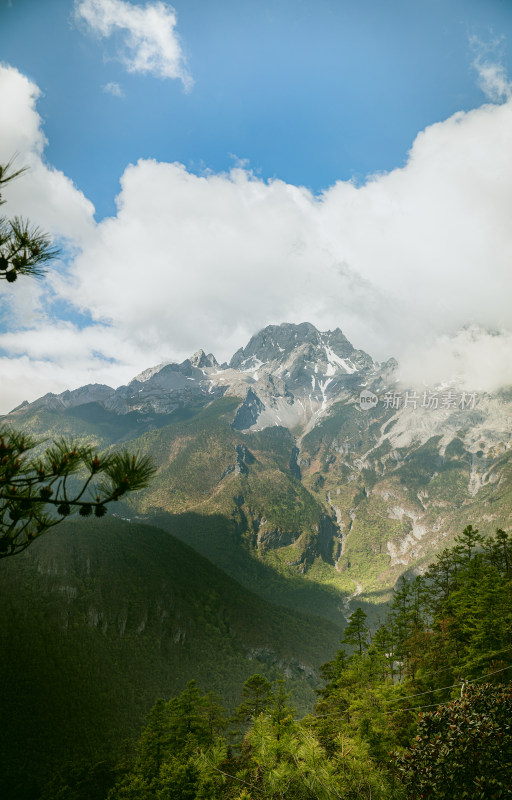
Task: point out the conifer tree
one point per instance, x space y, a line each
166 764
384 645
281 713
39 491
466 544
256 698
441 575
498 549
356 633
24 248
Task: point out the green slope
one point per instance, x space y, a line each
90 422
398 506
98 619
234 497
216 537
354 512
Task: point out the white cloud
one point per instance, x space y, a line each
492 76
44 195
55 355
410 255
493 80
114 89
26 377
400 263
47 198
477 359
150 42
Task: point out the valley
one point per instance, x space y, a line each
280 505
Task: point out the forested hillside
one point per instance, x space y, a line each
418 708
101 618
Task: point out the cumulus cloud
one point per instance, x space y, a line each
150 44
44 195
408 256
413 263
48 199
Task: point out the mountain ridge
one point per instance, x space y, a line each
390 482
294 370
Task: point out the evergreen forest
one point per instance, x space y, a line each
418 705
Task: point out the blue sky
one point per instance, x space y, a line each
309 91
213 167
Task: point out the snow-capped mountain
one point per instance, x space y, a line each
279 443
291 376
286 375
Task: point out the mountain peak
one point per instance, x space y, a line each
276 342
201 360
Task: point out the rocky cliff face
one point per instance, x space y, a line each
370 489
286 375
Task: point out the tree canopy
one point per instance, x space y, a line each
415 708
24 248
